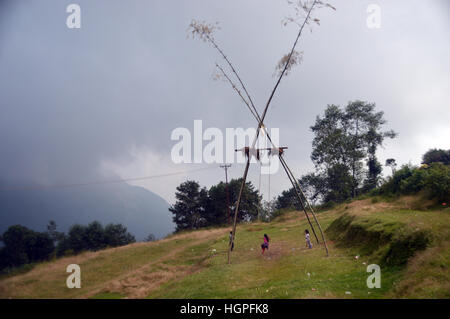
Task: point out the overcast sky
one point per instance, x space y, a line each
89 104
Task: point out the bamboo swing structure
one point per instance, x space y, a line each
205 34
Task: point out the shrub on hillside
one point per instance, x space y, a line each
437 182
434 179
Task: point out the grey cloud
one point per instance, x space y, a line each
72 98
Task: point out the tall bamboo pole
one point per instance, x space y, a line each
314 215
292 178
260 119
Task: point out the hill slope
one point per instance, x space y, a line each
140 210
410 245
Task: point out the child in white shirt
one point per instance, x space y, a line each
308 240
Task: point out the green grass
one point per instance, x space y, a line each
279 274
411 246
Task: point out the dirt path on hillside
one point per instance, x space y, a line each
140 282
134 284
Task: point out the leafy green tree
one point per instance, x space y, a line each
373 174
77 238
216 205
436 155
343 138
288 199
94 236
339 183
189 209
197 207
40 247
250 201
16 239
314 187
23 246
117 235
150 238
216 212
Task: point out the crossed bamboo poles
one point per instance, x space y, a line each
295 184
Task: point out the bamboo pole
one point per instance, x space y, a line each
260 119
298 195
314 215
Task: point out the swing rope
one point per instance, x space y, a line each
268 198
259 191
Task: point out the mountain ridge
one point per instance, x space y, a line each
140 210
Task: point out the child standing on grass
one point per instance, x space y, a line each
308 240
265 245
231 243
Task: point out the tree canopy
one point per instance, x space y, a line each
344 140
197 207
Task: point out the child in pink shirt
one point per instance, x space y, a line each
265 245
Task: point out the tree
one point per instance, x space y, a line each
436 155
288 199
197 207
40 247
76 238
189 209
117 235
94 236
16 239
150 237
343 139
339 184
216 209
314 188
373 174
23 246
250 201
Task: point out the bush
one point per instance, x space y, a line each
434 179
437 183
393 185
415 182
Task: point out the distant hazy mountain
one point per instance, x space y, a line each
140 210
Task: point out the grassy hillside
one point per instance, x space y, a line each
410 244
